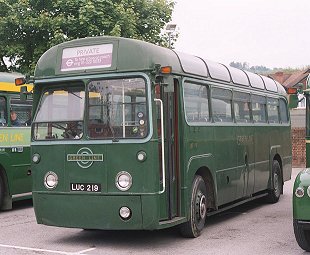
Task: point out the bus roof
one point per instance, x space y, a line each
7 82
115 54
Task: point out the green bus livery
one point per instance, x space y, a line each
15 116
130 135
301 191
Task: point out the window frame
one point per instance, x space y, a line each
202 84
268 111
149 125
225 98
249 102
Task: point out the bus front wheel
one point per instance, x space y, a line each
198 209
276 183
1 191
302 236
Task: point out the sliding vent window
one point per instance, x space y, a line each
259 109
273 110
242 107
196 103
60 114
283 111
117 109
221 105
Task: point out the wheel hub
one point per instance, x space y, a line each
276 183
201 206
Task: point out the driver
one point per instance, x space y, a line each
73 131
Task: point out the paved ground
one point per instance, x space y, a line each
254 228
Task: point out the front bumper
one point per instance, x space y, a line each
304 224
95 211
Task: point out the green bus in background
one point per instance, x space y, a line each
301 192
129 135
15 114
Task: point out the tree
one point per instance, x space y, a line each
246 66
29 27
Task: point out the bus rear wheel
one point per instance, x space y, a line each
302 236
198 209
276 185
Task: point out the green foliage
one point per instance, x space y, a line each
254 69
290 70
263 69
29 27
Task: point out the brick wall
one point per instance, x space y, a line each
298 146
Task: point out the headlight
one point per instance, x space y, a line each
308 191
36 158
300 192
50 180
123 181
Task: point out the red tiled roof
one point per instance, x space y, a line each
295 78
290 80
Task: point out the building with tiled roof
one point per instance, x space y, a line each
293 79
298 115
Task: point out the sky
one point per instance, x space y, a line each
272 33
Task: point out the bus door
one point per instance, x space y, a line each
170 195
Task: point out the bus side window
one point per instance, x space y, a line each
3 112
242 107
273 110
22 109
196 102
259 109
221 105
283 111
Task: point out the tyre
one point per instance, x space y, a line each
198 209
302 236
1 191
276 183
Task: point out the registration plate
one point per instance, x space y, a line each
86 187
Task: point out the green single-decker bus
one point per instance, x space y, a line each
15 158
129 135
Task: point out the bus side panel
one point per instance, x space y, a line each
282 147
225 155
287 153
262 145
245 171
17 159
198 150
204 163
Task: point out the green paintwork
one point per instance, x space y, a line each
216 151
292 101
15 161
128 55
301 206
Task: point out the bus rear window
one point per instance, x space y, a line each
117 109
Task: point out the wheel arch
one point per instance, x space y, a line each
278 158
202 165
206 175
7 200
